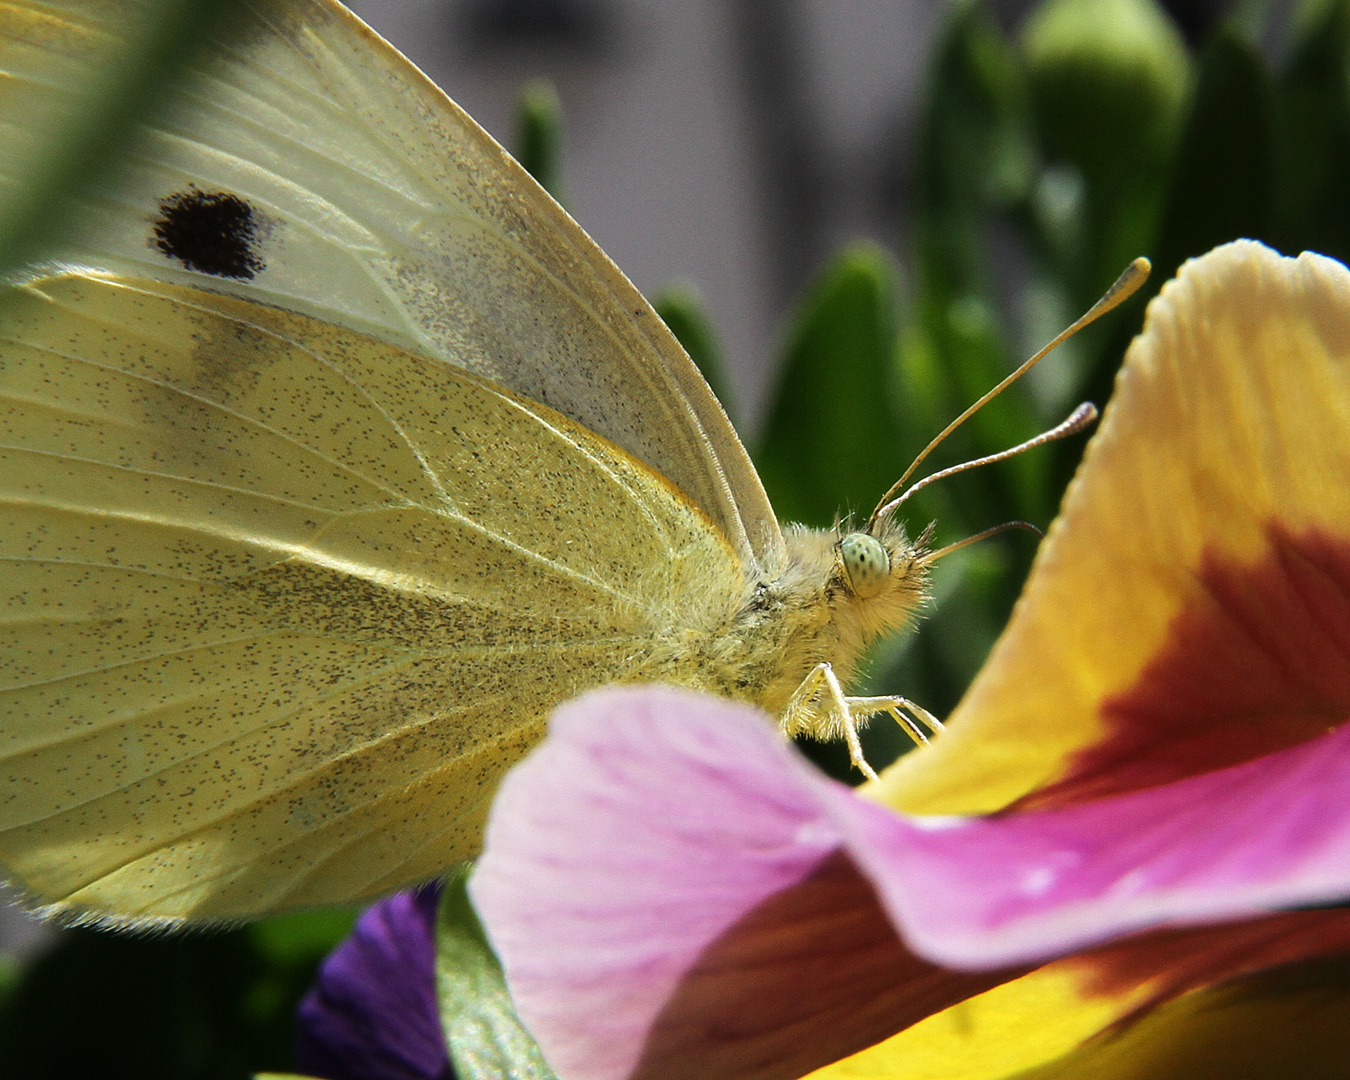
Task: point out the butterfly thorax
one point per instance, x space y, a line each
796 616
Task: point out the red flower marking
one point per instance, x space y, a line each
1260 662
812 975
1172 962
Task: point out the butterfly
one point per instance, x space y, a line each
335 456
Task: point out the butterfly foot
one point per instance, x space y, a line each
818 708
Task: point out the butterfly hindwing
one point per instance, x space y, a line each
278 609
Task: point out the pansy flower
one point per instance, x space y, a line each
372 1012
1125 857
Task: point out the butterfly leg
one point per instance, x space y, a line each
819 708
909 720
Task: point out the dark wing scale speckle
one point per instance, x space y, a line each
212 232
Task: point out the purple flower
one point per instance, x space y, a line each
372 1012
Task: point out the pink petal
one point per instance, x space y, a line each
652 820
1229 844
646 825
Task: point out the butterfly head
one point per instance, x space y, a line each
880 577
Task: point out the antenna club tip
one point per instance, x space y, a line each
1125 286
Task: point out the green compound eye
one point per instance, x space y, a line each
866 563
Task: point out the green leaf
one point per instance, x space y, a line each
1222 184
975 163
487 1041
282 1076
682 309
831 442
539 135
974 141
303 937
975 169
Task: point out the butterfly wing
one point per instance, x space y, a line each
277 608
302 162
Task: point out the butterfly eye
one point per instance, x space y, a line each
866 563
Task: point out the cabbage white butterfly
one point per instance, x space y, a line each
335 456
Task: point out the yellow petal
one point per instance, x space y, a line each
1209 524
1287 1023
1054 1024
1022 1024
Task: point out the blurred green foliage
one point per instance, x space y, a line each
206 1005
681 306
539 135
832 442
1045 163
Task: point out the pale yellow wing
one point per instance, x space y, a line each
279 602
305 163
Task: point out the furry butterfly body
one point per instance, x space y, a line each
336 455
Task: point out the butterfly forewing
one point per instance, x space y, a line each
279 607
302 162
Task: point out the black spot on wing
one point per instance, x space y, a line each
212 232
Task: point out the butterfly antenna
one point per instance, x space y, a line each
1080 418
1125 286
943 552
